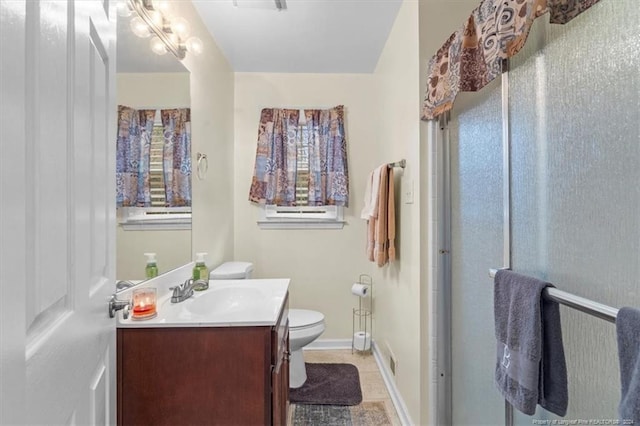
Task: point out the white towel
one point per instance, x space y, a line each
370 208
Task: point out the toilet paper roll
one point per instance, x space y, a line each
362 341
361 290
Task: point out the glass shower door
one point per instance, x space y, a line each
476 245
574 128
575 135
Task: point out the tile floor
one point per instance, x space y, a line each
374 392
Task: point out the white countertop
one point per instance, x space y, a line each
227 303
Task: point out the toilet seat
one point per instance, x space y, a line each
300 319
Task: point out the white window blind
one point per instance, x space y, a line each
156 168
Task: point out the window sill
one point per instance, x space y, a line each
155 225
300 217
300 224
154 218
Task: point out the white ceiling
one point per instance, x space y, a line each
308 36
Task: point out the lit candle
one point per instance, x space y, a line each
144 303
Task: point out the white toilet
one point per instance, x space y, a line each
305 326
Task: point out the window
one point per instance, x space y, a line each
158 216
302 215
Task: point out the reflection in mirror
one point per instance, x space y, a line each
156 88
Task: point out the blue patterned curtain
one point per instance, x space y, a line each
132 157
274 176
328 171
176 125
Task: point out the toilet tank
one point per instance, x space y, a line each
232 271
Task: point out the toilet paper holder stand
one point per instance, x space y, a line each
362 321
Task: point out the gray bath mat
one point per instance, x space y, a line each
329 384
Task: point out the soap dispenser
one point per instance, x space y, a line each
201 272
151 270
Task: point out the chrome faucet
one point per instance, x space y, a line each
185 290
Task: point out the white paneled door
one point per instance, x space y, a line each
57 252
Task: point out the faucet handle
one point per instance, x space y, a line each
182 291
116 305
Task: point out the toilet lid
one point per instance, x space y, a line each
304 318
231 270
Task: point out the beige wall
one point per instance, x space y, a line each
398 285
173 247
153 90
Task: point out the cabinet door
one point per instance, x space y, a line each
214 376
280 383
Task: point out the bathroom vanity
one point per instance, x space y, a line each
218 358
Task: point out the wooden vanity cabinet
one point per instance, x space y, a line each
204 375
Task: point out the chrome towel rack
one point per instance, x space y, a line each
579 303
402 163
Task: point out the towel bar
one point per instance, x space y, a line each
402 163
581 304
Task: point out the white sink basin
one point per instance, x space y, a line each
226 303
217 301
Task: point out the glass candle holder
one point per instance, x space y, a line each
144 303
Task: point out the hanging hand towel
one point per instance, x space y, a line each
370 208
628 331
380 251
391 218
530 365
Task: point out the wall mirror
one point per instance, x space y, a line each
147 81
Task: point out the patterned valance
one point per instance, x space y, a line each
473 55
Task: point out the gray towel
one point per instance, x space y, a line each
530 364
628 331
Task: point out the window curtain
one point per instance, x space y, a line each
328 171
176 125
133 156
473 55
274 176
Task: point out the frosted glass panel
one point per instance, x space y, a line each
574 115
476 246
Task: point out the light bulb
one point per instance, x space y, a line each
180 27
194 45
123 9
139 27
162 6
157 46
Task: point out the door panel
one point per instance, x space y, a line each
476 246
574 96
576 168
57 212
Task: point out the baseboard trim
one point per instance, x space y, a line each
387 376
328 344
390 383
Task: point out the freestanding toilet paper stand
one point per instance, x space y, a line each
362 317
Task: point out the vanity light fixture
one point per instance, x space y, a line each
170 33
261 4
